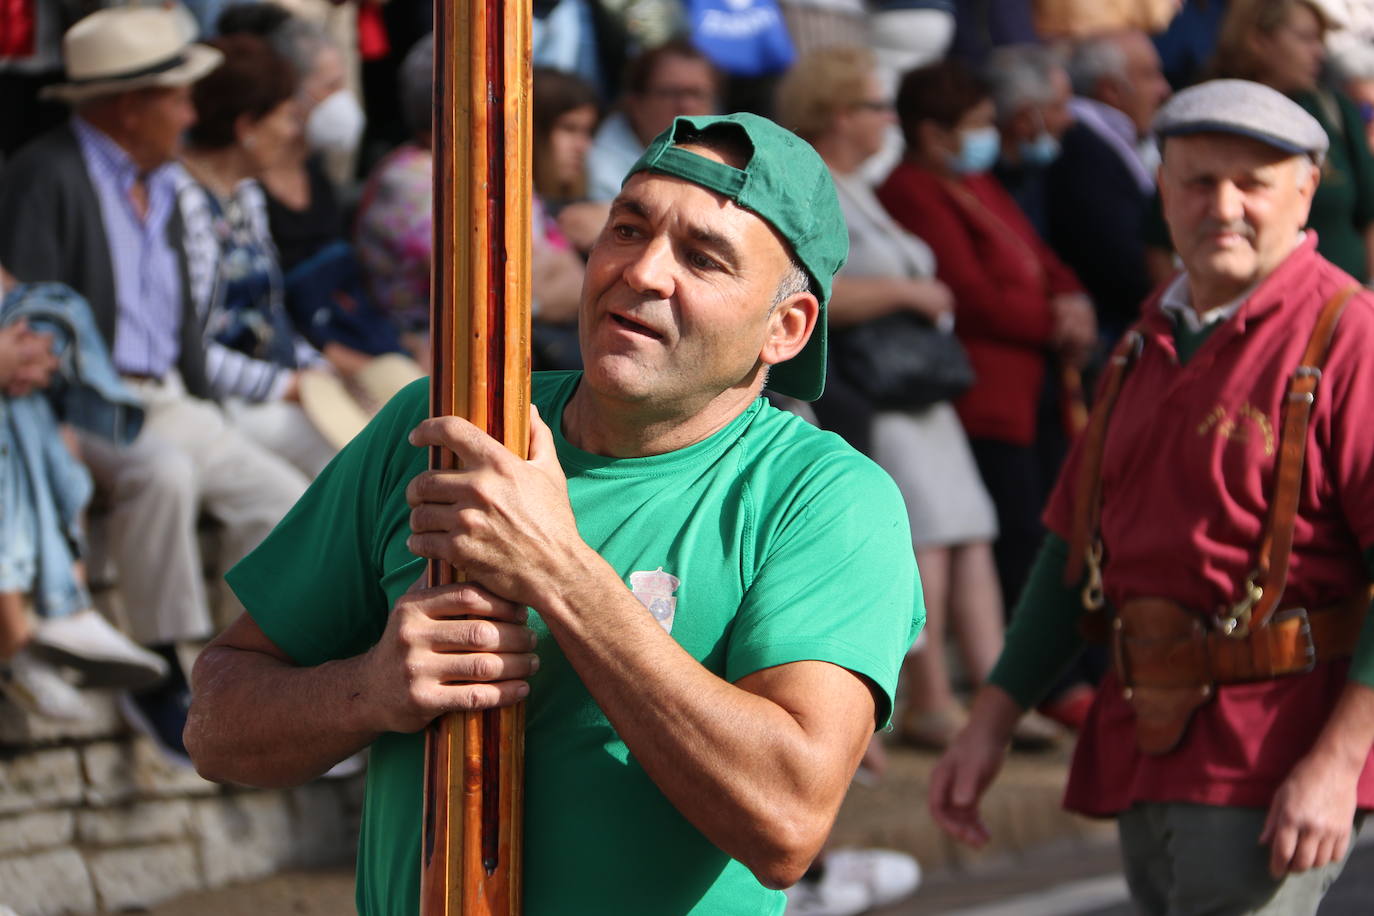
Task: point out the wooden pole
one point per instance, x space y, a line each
474 762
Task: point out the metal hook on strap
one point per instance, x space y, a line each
1235 623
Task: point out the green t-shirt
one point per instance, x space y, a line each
769 542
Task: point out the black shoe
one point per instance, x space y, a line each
161 715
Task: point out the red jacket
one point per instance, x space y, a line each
1003 277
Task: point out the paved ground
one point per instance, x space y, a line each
1022 810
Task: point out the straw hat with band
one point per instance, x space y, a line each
127 48
340 408
786 183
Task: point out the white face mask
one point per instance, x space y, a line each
336 124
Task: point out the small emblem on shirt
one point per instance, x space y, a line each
1247 424
655 591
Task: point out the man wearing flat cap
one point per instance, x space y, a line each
94 204
719 596
1216 525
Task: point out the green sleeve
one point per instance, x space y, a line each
837 582
1362 663
1043 639
315 585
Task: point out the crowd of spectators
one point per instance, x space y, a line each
215 226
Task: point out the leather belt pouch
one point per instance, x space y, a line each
1169 660
1160 651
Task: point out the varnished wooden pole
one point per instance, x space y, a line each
474 763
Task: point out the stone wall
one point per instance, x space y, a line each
93 818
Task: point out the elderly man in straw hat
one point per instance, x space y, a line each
93 204
1216 524
722 594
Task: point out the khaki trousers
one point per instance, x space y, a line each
188 458
1191 860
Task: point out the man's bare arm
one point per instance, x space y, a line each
258 719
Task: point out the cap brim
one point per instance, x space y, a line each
1239 130
200 60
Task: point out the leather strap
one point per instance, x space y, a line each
1271 572
1088 486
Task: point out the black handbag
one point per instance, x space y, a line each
901 361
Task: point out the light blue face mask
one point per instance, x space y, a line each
978 150
1041 151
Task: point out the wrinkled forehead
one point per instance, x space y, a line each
689 209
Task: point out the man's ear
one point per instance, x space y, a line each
789 328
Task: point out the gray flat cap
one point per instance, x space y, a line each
1245 108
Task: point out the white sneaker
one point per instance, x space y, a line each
37 687
101 655
886 875
826 897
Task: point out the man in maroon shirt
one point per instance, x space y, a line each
1234 790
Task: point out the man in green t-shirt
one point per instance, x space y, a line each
719 596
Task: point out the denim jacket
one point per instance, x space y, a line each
43 487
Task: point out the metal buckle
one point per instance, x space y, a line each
1093 596
1235 623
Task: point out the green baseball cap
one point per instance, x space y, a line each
787 184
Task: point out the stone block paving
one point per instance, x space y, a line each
94 819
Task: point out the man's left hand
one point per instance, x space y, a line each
506 523
1312 816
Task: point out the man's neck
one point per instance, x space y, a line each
619 429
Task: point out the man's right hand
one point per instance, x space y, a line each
26 359
429 661
972 762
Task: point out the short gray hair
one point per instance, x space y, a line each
1020 75
1093 60
796 280
300 42
416 81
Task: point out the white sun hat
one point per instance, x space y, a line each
126 48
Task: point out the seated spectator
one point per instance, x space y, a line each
566 113
245 120
1099 189
394 227
394 232
326 296
44 490
1015 304
302 205
834 99
93 205
660 84
1030 91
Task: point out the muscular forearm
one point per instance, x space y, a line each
757 778
259 721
